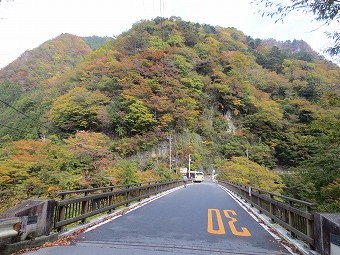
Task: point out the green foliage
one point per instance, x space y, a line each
233 148
317 179
195 84
156 43
294 147
138 117
130 116
125 172
297 187
272 60
262 154
311 89
330 195
322 176
186 112
176 40
183 65
77 110
15 120
244 171
95 41
9 92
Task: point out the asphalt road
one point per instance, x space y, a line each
199 219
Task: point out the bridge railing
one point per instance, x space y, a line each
79 205
293 214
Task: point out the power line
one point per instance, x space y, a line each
42 125
18 129
21 112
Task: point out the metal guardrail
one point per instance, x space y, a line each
293 214
79 205
10 227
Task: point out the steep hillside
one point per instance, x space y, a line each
216 93
52 58
24 82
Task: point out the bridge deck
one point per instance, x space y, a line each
199 219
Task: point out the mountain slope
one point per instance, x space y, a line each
169 77
52 58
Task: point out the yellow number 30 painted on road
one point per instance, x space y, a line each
221 229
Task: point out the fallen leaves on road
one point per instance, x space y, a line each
71 238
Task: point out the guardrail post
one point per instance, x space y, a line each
140 192
259 201
310 232
61 217
149 188
272 208
310 228
61 214
291 219
84 207
111 200
127 194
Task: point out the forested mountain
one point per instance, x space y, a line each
81 118
52 58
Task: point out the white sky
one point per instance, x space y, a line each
25 24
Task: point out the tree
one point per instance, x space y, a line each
78 109
93 151
325 11
125 172
32 169
271 60
139 117
242 170
130 116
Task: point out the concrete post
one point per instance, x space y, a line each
327 233
37 216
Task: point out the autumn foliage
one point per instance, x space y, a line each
83 116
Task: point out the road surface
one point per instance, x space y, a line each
199 219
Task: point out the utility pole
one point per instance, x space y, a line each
189 165
247 152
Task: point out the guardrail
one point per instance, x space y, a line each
10 227
293 214
79 205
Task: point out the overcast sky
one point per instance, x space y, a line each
25 24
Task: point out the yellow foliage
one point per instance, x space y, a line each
91 143
147 176
166 119
5 179
237 102
211 41
236 112
53 189
244 171
262 101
